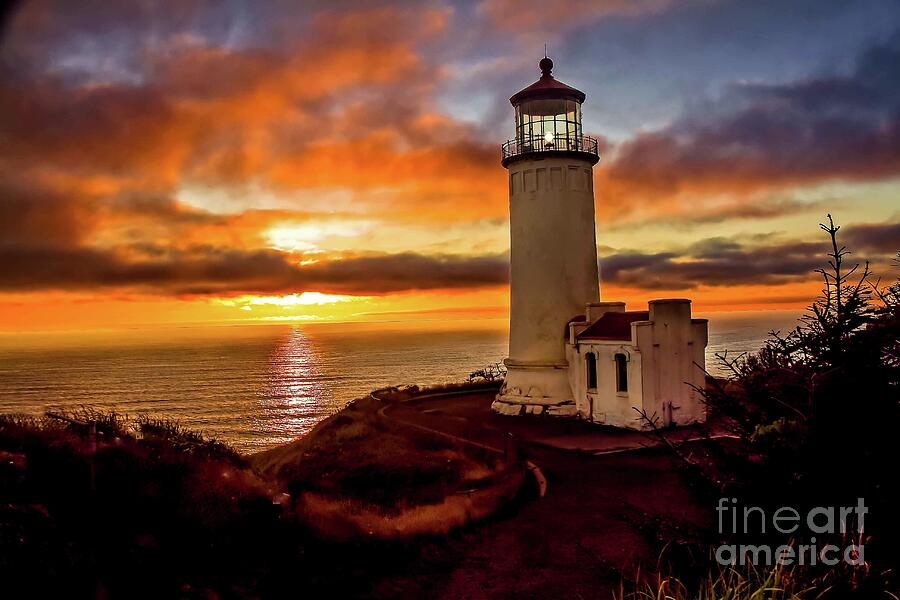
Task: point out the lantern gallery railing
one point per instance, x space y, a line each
549 143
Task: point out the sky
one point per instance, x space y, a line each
281 161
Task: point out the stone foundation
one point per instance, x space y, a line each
565 409
535 389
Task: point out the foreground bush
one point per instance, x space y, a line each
93 503
815 414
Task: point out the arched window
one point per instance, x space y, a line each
591 360
621 373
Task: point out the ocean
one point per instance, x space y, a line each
256 386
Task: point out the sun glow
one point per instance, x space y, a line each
293 318
315 236
301 299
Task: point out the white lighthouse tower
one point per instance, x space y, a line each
553 250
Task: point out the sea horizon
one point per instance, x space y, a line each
255 386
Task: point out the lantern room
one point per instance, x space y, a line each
548 119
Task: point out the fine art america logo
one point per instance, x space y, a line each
828 522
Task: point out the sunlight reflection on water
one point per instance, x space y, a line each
295 396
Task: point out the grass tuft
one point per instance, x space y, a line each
727 583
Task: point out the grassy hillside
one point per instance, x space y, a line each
96 505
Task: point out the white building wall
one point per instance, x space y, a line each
553 254
605 404
578 376
671 343
553 273
661 370
642 334
695 408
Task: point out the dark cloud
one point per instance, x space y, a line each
32 214
411 271
738 267
212 270
33 211
758 209
107 129
219 271
726 262
873 237
760 136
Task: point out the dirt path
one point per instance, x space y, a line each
600 516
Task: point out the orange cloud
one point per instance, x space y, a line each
333 116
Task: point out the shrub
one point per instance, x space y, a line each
815 411
492 372
91 502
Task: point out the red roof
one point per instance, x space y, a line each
547 87
614 325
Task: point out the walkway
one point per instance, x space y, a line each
469 416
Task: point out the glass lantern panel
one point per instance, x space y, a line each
552 123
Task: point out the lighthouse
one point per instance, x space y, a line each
553 249
570 354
